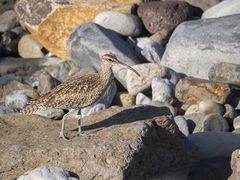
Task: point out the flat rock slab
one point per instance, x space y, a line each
225 72
121 144
196 46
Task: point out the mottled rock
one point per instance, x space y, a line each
235 165
182 124
158 15
225 73
212 41
90 41
46 83
103 103
192 109
224 8
7 20
230 112
147 71
236 131
47 173
208 107
162 90
127 24
149 49
191 91
124 99
28 47
118 140
212 122
16 100
215 144
5 79
60 18
236 122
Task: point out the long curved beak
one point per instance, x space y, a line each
130 68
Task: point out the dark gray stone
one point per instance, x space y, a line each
212 122
195 46
215 144
90 41
158 15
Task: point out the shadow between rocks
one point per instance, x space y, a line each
130 115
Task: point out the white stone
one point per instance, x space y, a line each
47 173
16 100
7 20
236 123
215 144
103 103
182 124
162 90
148 71
224 8
149 49
195 46
143 99
123 24
28 47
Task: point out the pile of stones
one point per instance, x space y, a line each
187 54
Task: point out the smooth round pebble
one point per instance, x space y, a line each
123 24
236 123
8 20
28 47
143 99
124 99
208 107
182 124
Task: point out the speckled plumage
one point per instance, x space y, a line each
77 92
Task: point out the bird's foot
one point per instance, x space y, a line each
62 135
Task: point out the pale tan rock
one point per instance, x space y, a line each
235 165
122 143
28 47
51 22
124 99
148 71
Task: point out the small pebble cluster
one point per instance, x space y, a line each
188 59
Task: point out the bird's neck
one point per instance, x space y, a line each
106 74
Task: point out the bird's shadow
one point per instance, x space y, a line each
128 116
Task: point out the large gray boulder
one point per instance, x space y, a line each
196 46
90 41
224 8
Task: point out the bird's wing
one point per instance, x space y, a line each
75 92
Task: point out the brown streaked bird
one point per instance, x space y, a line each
78 92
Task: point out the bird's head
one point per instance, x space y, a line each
113 60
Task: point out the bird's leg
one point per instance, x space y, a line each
79 127
66 116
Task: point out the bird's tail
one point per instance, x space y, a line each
32 108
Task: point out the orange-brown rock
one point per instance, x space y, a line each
192 90
52 21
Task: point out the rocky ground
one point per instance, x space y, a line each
179 120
